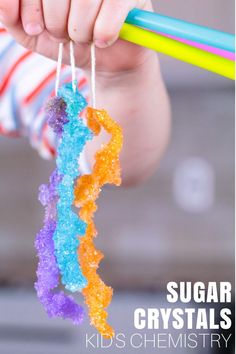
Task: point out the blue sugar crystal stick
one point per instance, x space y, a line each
69 226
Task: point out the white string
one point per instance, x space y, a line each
59 62
93 75
72 64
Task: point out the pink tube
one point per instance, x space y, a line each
217 51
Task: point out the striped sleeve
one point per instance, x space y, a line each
27 80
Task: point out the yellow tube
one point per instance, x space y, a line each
178 50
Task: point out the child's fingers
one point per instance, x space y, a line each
9 12
32 17
56 16
82 19
110 20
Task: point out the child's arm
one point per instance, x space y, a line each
27 80
129 83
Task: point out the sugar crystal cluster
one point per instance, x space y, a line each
65 245
56 114
106 170
55 302
69 225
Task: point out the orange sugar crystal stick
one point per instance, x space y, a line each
106 169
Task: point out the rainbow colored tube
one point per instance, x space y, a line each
178 50
181 29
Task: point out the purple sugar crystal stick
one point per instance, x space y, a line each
56 303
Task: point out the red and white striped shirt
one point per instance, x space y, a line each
27 80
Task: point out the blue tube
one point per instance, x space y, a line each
181 29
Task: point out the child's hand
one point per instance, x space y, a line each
40 24
129 82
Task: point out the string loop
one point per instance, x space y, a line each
72 64
59 65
